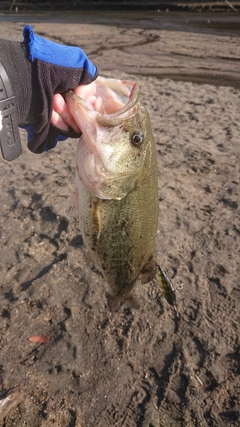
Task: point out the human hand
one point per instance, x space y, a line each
61 116
40 71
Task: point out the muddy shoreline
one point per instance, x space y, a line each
170 5
201 48
216 23
130 368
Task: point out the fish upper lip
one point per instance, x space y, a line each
133 99
125 113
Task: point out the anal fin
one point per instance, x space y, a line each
149 271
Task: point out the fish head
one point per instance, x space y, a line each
114 150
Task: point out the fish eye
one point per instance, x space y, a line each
137 138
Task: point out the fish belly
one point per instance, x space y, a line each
120 234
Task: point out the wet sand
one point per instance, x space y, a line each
197 47
130 368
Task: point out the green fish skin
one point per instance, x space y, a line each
116 187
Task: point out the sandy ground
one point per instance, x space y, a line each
130 368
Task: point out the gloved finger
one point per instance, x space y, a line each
61 116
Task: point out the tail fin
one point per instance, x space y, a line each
114 301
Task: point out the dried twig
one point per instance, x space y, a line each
10 399
230 5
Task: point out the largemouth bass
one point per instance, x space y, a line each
116 184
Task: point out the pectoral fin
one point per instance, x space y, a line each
72 204
96 216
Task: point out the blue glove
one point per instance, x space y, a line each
38 69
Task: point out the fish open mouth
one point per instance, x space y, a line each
103 111
128 110
108 101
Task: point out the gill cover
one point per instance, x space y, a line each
108 162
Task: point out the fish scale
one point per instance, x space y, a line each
117 188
